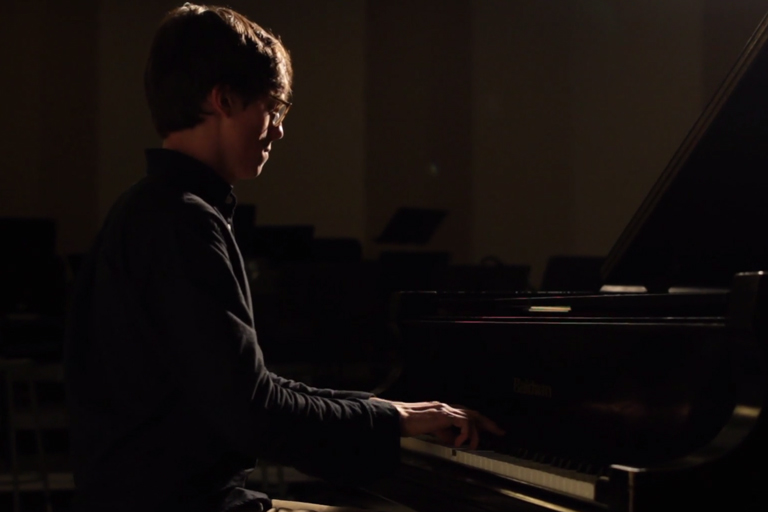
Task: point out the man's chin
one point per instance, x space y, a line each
252 173
249 172
260 166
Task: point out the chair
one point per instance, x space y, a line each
25 412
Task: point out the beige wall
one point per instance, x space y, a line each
726 27
418 104
21 58
636 71
539 125
578 106
521 130
124 129
48 148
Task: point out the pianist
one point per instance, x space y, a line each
170 397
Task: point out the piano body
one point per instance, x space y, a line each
617 401
625 403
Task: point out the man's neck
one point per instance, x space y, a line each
200 145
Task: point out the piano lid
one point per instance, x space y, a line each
706 218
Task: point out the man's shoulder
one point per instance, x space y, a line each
151 211
153 198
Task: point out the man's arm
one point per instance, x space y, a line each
205 321
322 392
207 329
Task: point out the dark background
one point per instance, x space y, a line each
537 126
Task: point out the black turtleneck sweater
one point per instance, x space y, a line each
170 398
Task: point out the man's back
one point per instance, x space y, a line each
136 431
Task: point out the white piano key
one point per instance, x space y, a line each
524 470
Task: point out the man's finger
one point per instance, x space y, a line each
462 407
485 423
475 439
489 425
422 406
463 424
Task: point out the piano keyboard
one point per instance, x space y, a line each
574 483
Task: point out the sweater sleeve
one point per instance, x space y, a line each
207 324
323 392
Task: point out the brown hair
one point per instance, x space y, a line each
198 47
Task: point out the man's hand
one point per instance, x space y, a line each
452 425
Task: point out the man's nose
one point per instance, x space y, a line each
277 132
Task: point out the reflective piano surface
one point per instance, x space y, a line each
610 402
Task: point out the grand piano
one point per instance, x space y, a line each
645 395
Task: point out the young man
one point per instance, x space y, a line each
170 396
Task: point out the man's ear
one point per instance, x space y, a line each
222 100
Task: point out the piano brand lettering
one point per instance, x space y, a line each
529 387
